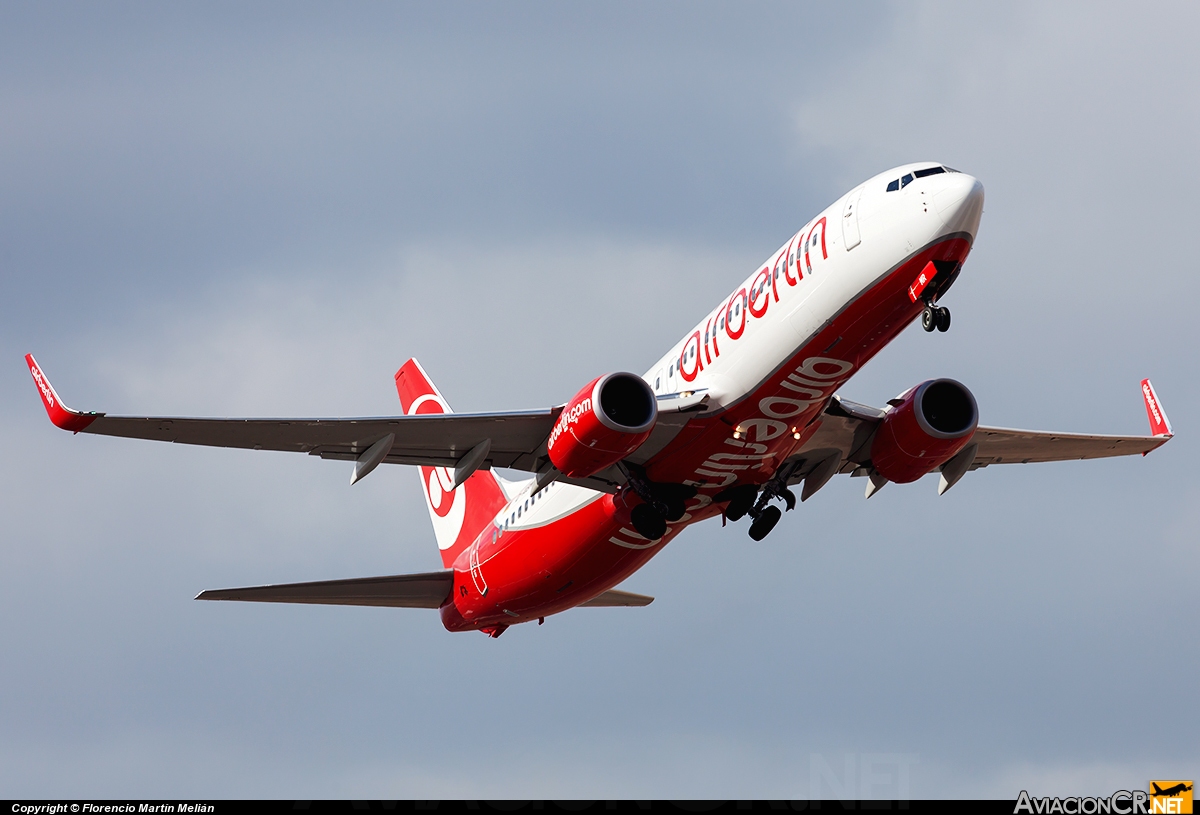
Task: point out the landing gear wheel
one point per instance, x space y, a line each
648 523
738 508
740 500
675 509
942 319
929 318
765 522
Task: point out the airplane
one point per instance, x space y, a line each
1169 792
741 410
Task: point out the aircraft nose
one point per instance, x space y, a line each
960 203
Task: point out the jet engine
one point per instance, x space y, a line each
926 426
606 421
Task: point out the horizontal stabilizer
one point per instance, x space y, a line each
612 598
428 590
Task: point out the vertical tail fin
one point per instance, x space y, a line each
458 515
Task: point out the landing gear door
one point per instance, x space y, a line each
850 232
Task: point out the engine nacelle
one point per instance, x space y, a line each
607 420
932 422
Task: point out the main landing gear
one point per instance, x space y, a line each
663 502
765 522
647 522
935 317
748 499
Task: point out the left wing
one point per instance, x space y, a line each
1001 445
843 443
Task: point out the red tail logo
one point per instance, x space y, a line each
458 515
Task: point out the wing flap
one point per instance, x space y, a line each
613 599
427 590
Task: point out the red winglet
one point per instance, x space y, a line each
1160 425
60 414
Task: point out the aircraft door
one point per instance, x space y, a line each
476 575
850 233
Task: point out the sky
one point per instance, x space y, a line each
265 209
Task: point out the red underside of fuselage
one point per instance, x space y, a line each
533 573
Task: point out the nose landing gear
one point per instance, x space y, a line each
935 317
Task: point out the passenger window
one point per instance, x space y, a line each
905 180
658 383
893 185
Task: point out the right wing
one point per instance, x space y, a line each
515 440
433 440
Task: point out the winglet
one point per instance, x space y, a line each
1160 425
60 414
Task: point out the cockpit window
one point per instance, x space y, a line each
928 171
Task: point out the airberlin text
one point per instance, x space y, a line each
1121 802
43 385
808 385
790 265
568 418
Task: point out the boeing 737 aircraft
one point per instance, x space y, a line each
741 410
